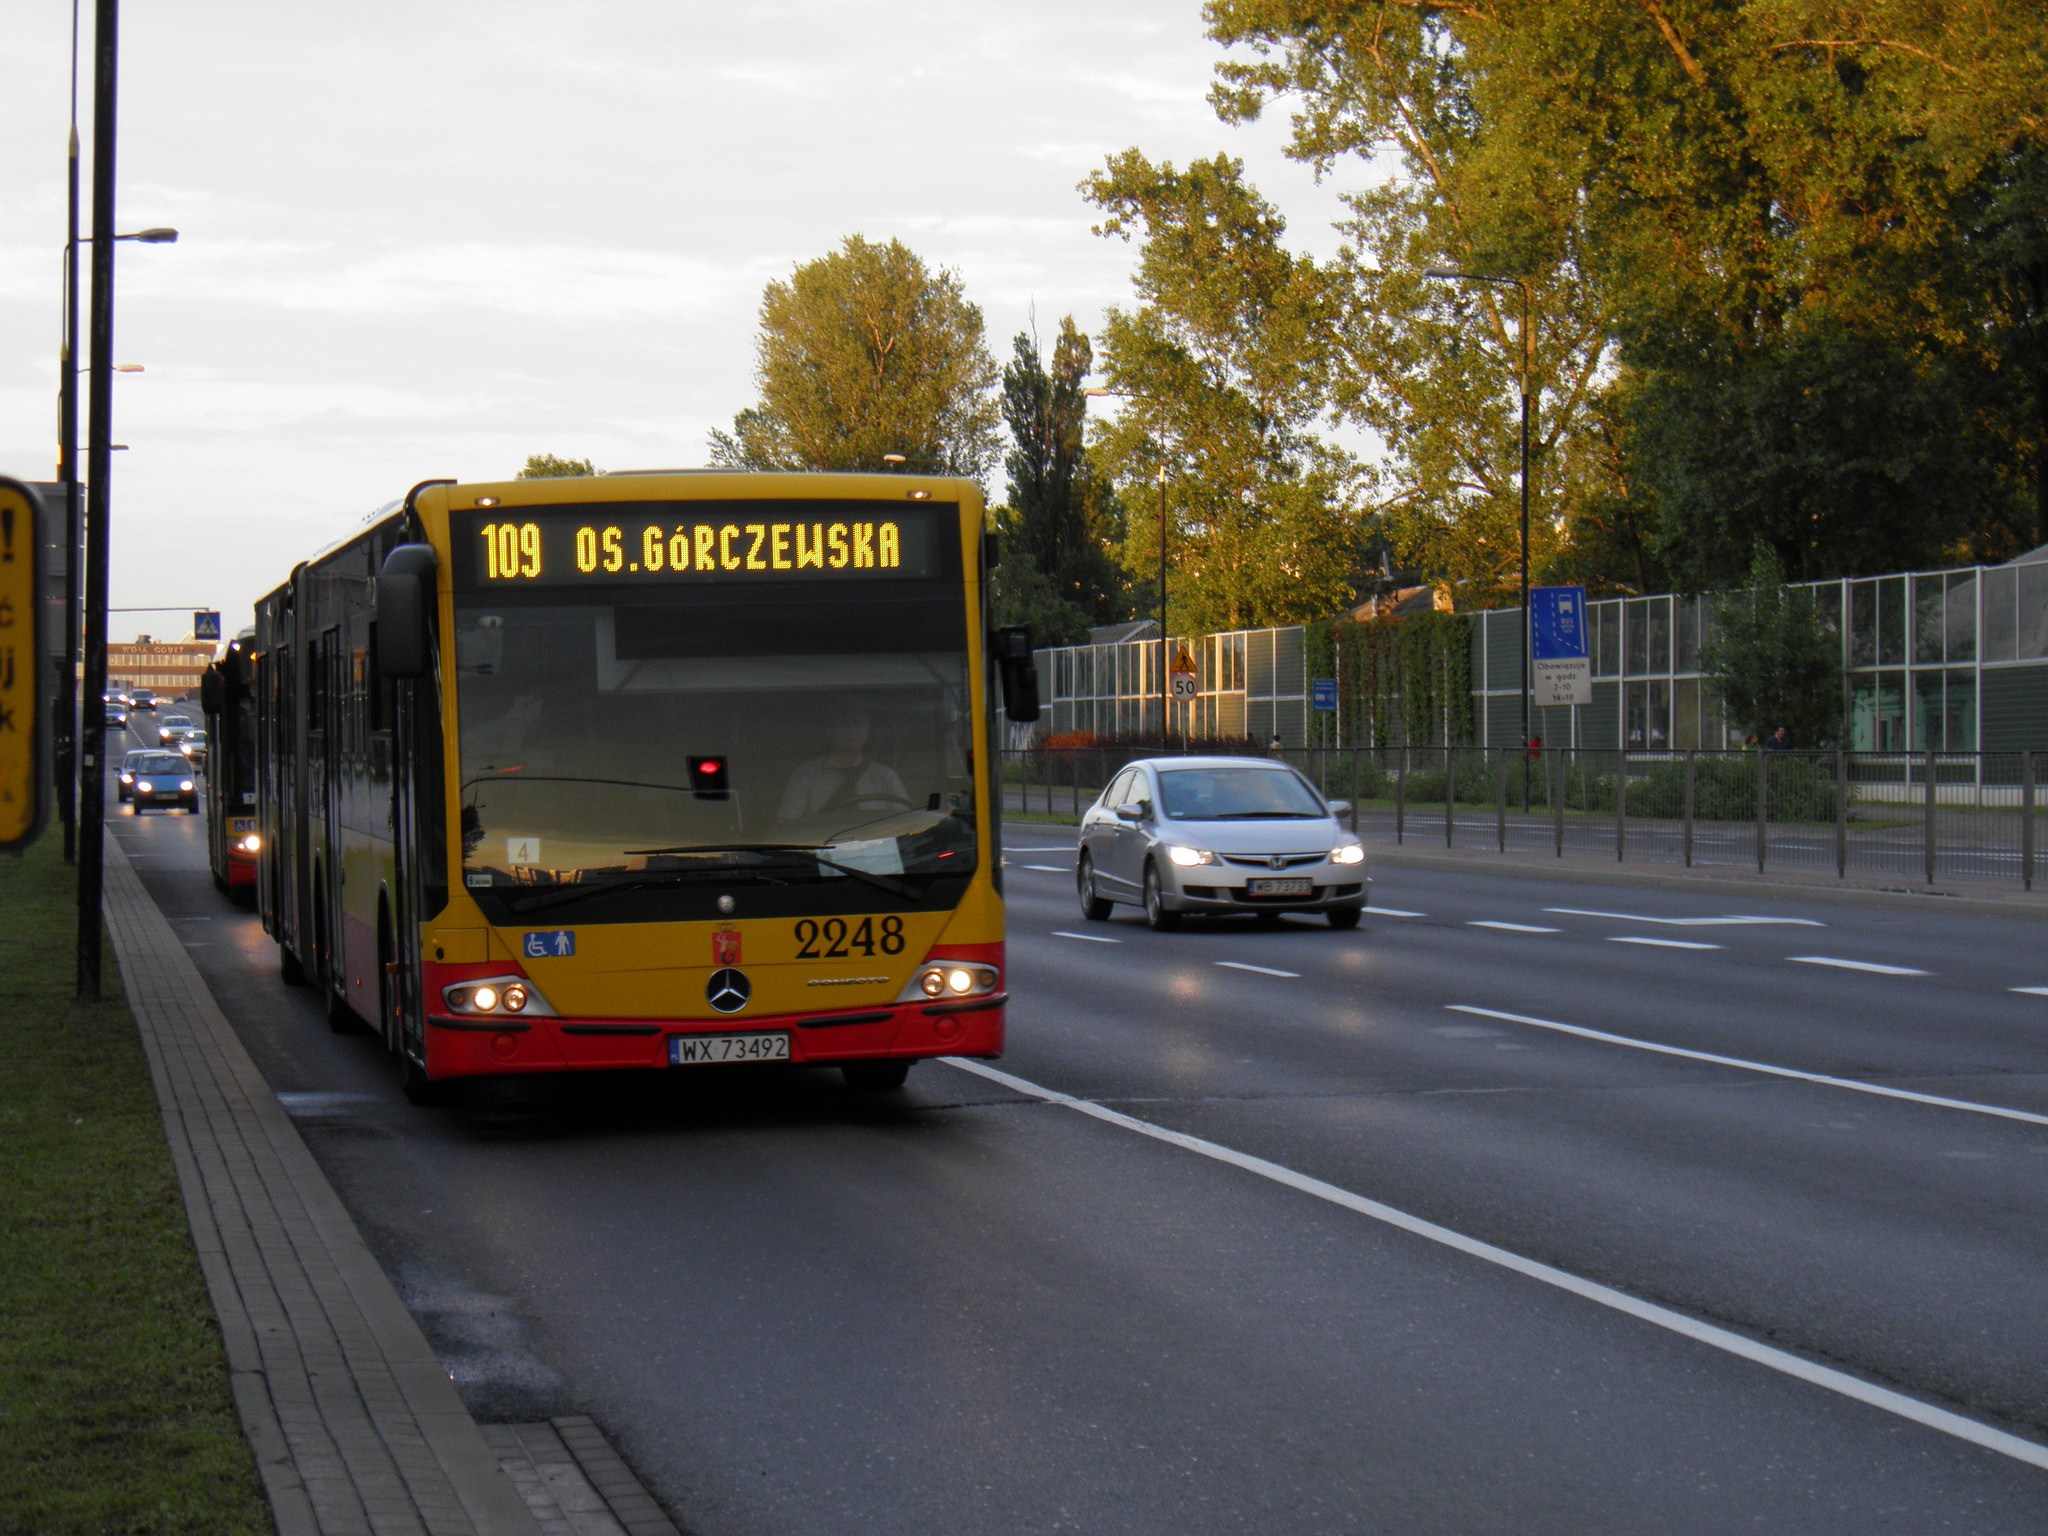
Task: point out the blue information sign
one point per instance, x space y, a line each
552 945
1323 694
1557 623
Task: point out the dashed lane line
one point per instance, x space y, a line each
1871 966
1048 869
1086 938
1737 921
1263 970
2031 991
1782 1361
1510 927
1637 938
1849 1083
1391 912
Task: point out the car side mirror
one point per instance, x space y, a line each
1340 807
1132 813
405 598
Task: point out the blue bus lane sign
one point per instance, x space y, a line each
1323 694
1561 671
557 944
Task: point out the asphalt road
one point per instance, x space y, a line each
1348 1231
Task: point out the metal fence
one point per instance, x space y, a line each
1923 816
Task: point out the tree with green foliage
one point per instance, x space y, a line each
1773 660
863 353
1062 519
546 466
1800 245
1223 362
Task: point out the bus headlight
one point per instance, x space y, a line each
496 995
1348 853
1188 858
950 979
251 844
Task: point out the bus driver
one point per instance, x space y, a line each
845 777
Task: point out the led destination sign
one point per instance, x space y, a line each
728 542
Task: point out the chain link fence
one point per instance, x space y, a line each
1923 815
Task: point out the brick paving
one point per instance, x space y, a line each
356 1425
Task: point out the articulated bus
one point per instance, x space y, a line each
643 771
228 697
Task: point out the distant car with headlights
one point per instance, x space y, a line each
117 717
1222 835
173 729
164 778
142 698
193 748
125 781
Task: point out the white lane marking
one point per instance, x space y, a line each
1048 869
1825 1377
1391 912
1857 965
1637 938
1091 938
2031 991
1756 1066
1511 927
1692 922
1263 970
1068 849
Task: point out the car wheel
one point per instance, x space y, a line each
1157 917
1094 907
1344 917
875 1076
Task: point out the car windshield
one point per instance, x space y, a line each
777 736
1235 794
161 762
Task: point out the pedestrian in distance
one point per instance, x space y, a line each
1273 746
1780 740
1535 748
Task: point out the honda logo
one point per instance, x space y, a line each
728 990
1276 861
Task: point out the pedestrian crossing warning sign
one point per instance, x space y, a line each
24 755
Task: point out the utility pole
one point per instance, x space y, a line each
66 712
92 779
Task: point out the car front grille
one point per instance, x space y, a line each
1265 860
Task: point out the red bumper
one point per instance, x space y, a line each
473 1047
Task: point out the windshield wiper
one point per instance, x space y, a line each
582 890
815 850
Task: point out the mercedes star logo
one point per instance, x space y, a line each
728 990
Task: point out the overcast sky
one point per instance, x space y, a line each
429 238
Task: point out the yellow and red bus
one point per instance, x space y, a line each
639 771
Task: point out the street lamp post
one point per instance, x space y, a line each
1165 661
1522 335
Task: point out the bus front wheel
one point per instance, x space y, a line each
875 1076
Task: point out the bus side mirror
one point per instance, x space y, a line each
1019 671
209 691
405 594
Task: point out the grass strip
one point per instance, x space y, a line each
114 1403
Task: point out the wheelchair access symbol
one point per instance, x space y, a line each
555 945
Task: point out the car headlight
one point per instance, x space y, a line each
1348 853
940 980
185 785
496 995
145 786
1188 858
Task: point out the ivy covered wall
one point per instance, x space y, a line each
1406 683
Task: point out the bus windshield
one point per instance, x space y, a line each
779 736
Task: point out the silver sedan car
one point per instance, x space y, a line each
1218 834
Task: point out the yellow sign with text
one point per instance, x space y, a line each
24 776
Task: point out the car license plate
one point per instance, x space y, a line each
697 1050
1299 887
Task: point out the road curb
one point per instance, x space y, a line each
2019 904
355 1424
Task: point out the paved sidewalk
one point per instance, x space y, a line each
356 1426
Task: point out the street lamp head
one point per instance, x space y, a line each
1442 272
895 458
127 367
152 236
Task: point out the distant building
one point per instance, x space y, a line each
169 668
